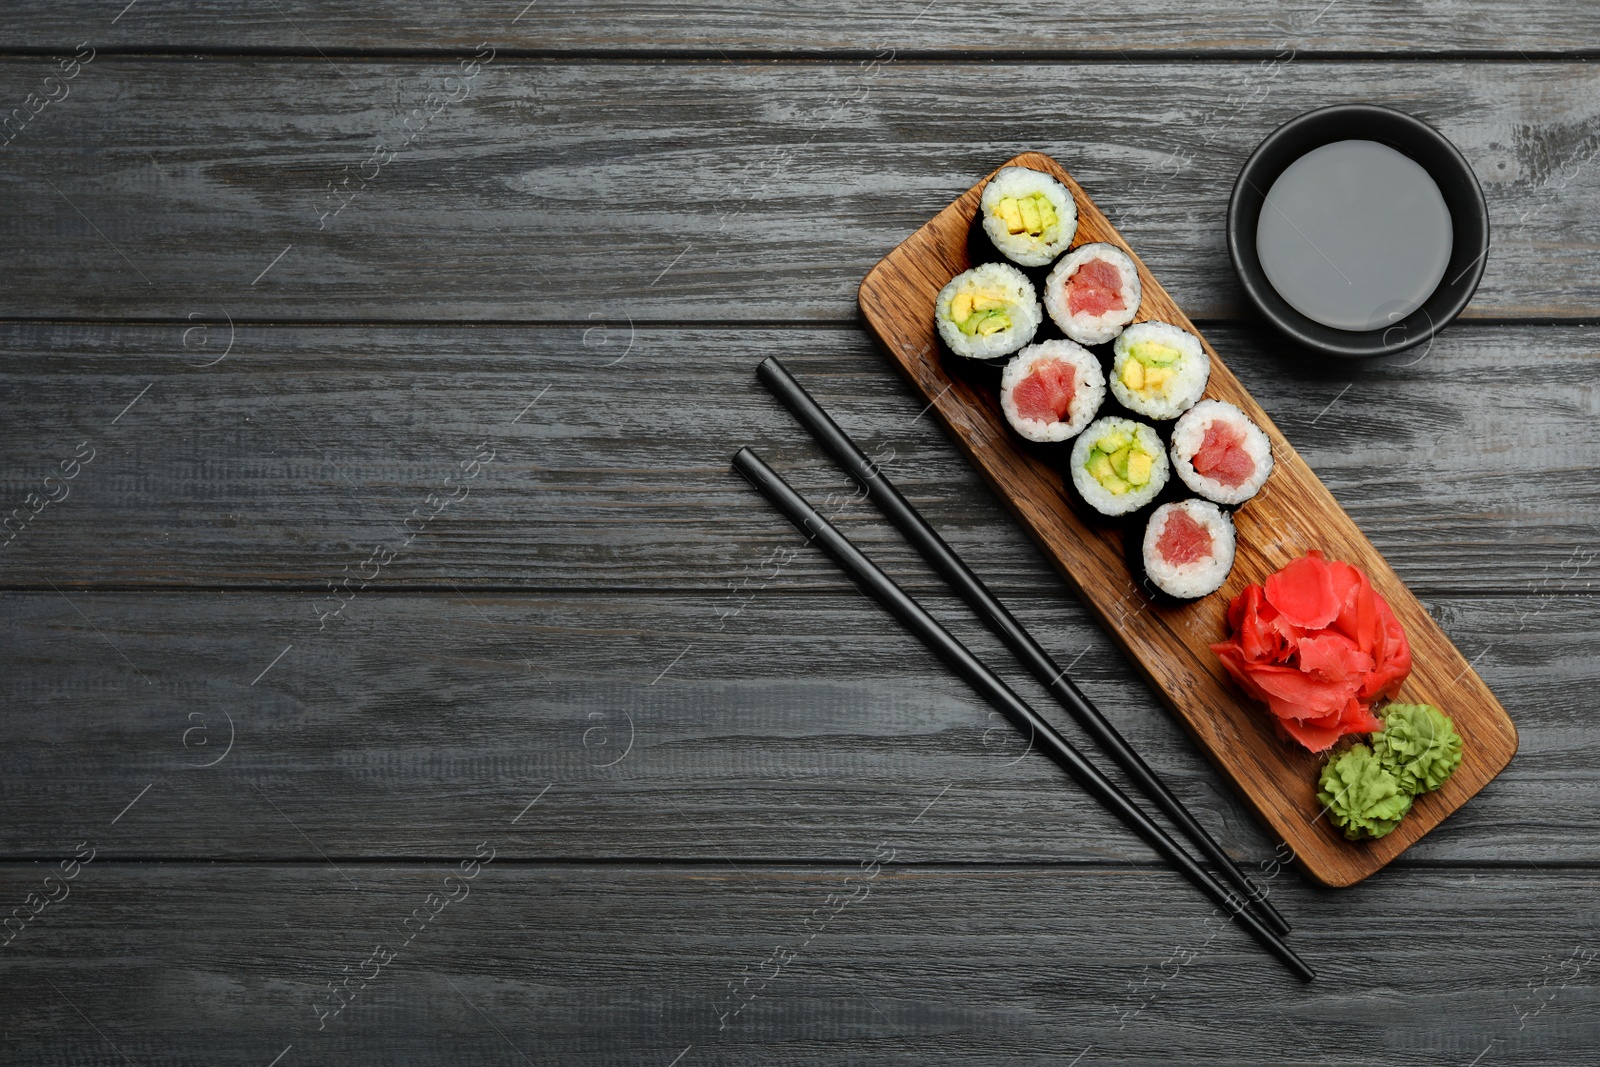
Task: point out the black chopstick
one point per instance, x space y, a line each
1022 644
939 640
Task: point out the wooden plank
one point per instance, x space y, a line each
694 192
663 726
1294 514
304 447
1493 27
604 965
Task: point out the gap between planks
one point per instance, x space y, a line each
735 55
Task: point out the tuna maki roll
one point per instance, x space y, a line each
1159 371
1027 216
1118 466
988 311
1093 293
1220 454
1188 549
1051 390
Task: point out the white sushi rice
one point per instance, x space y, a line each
1022 306
1186 581
1088 390
1189 433
1179 392
1024 248
1098 496
1092 329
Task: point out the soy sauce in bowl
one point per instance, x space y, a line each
1358 231
1354 235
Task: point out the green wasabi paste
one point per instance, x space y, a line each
1418 745
1360 796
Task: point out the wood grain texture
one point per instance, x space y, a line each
1490 27
1293 514
781 732
1471 469
753 191
604 966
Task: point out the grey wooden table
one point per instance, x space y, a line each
394 672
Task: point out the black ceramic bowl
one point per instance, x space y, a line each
1410 136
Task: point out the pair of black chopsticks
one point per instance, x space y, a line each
1268 926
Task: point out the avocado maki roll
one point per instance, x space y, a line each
1187 550
1051 390
1220 454
1118 466
1027 216
1092 293
1159 371
988 311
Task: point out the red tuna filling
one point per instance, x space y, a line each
1183 540
1095 288
1046 393
1222 456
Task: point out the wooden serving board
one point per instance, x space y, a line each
1293 514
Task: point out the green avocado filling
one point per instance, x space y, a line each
1033 215
978 311
1149 366
1119 462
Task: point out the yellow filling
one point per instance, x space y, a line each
1149 367
1033 215
979 311
1119 463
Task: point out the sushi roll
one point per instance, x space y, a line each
988 311
1051 390
1220 454
1027 216
1188 548
1118 466
1158 371
1093 293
